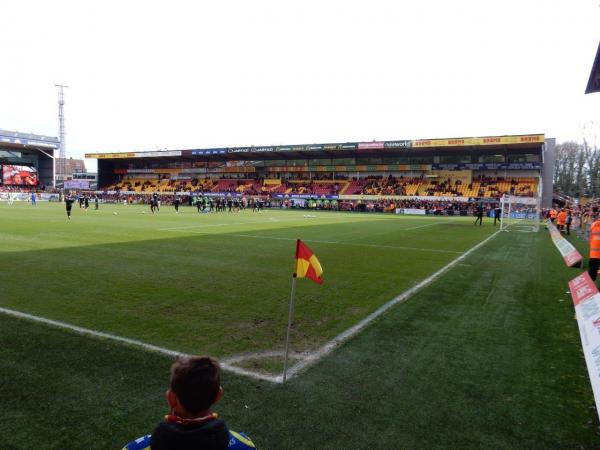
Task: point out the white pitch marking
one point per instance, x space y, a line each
127 341
423 226
299 218
316 241
314 357
307 359
209 225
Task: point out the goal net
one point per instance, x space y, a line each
520 213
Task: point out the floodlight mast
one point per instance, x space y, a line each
62 154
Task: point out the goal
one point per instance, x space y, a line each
521 214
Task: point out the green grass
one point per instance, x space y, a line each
215 284
488 356
269 364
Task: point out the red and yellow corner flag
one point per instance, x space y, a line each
307 264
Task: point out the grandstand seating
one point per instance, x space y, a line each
355 187
483 187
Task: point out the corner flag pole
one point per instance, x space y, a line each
289 329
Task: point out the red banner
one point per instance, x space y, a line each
587 310
569 253
582 288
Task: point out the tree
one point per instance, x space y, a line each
577 168
568 168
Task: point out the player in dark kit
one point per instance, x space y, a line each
497 214
176 203
479 214
154 203
69 205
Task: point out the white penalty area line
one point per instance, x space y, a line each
317 241
127 341
271 220
292 219
423 226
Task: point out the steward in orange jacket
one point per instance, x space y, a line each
594 248
561 220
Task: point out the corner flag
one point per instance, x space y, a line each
307 264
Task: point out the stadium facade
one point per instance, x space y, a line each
27 160
463 167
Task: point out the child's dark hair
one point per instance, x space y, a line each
196 381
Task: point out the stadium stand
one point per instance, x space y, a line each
354 175
482 187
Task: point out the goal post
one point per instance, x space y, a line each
520 214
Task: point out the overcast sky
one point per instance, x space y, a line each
144 75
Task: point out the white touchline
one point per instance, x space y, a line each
313 357
306 359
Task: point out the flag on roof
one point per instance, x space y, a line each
307 264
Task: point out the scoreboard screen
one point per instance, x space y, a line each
19 175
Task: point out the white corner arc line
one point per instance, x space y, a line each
312 358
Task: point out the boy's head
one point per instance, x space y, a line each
195 385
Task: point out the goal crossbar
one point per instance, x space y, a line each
521 214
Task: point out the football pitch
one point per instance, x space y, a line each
486 356
216 284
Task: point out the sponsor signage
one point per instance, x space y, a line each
136 170
397 144
110 155
41 142
414 211
26 196
374 145
251 149
210 151
488 166
307 196
569 253
586 300
334 147
124 155
157 154
370 145
480 141
239 150
403 197
77 184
